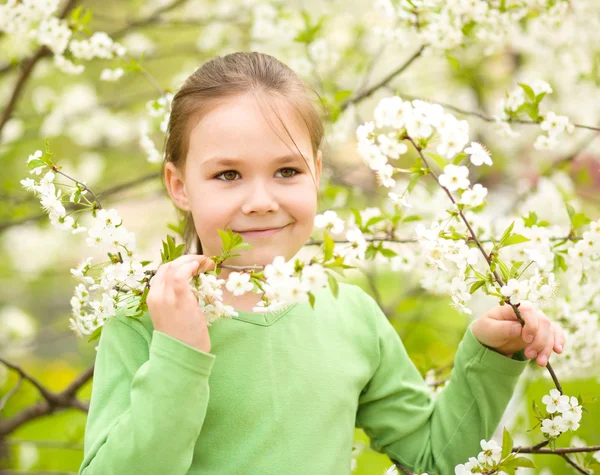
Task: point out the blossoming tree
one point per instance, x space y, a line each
474 206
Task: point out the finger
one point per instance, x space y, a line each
180 261
495 333
559 338
544 355
539 342
158 278
531 326
180 280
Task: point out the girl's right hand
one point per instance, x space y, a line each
173 307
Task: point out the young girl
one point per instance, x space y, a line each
277 393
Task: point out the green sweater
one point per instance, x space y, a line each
281 394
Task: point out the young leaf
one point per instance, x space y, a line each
333 283
507 444
559 263
507 232
387 253
528 91
95 334
514 239
311 300
476 285
531 219
329 245
225 239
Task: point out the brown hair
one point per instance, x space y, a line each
222 77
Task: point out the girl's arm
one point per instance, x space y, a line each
396 409
148 402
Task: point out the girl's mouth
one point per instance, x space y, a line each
262 233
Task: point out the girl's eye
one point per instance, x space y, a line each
285 174
230 175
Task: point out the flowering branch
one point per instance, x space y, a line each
483 252
28 69
488 118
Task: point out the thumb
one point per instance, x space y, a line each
495 333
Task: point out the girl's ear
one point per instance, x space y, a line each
176 187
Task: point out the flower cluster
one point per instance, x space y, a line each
554 126
563 414
489 457
36 20
447 25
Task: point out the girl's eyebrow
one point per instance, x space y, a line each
231 162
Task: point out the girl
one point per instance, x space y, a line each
277 393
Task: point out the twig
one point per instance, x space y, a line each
565 450
575 465
366 93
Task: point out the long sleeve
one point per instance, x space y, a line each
148 403
403 420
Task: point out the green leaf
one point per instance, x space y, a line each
570 210
559 263
311 300
387 253
414 178
503 269
96 334
531 219
453 62
580 219
329 245
333 283
476 285
35 164
441 161
357 218
374 220
371 251
514 269
507 232
459 158
507 444
528 91
225 239
341 95
514 239
524 462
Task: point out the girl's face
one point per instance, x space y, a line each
240 174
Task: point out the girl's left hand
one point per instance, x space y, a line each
500 330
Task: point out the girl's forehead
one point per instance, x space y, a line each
243 127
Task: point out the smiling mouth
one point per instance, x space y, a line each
261 232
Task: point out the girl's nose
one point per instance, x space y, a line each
260 199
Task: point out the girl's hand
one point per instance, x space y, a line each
500 330
173 307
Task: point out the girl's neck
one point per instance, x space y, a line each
245 302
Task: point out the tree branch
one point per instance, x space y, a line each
368 92
52 401
27 70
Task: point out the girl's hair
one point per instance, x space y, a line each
222 77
